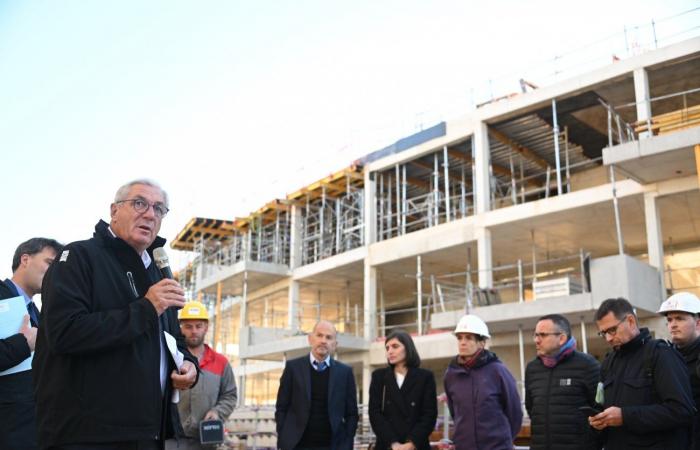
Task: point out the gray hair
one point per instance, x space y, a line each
123 191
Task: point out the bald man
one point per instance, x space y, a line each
317 401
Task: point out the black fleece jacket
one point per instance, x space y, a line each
97 360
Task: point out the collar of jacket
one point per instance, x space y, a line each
128 258
485 358
637 341
102 233
690 352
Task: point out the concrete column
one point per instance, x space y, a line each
482 159
369 218
655 243
370 301
483 247
295 238
642 96
241 384
293 306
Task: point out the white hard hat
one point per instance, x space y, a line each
683 302
472 324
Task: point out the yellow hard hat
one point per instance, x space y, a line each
193 310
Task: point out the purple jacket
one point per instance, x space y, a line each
484 404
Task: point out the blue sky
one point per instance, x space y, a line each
229 104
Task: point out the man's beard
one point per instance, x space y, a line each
194 341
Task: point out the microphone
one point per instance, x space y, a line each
162 262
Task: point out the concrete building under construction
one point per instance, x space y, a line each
547 201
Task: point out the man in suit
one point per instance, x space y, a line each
29 264
316 402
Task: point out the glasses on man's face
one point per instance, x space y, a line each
612 331
141 206
544 335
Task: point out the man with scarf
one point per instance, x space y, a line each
558 382
481 394
682 311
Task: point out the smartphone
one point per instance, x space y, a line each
589 411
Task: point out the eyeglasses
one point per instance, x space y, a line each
141 206
544 335
612 331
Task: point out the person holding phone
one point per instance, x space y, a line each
402 398
560 388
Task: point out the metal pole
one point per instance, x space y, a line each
653 30
447 183
566 157
468 282
322 225
616 207
462 199
382 310
404 204
419 288
521 348
436 190
556 145
381 206
513 186
398 201
521 297
584 340
338 218
582 259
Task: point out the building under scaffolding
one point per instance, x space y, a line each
548 201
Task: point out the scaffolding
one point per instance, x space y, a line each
332 214
426 191
533 159
517 282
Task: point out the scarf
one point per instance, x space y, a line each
469 362
564 351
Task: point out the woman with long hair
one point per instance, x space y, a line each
402 398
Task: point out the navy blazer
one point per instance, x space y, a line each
294 404
18 424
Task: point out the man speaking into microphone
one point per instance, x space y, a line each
104 375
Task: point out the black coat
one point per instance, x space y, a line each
294 404
657 410
18 423
691 356
552 398
97 361
402 414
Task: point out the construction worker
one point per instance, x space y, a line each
682 311
215 395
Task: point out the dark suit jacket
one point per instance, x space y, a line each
294 404
18 424
402 414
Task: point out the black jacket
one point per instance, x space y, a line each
691 356
97 360
18 423
402 414
552 398
657 407
294 404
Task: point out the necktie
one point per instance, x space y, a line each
33 313
321 366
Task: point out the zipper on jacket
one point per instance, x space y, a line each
130 276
